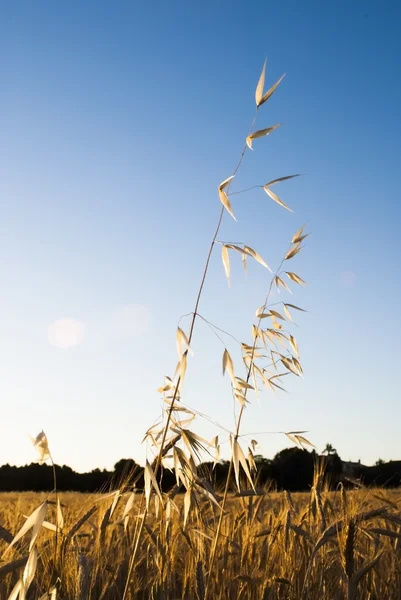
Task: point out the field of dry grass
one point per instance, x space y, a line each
199 545
323 545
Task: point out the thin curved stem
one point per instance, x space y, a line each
219 329
57 527
245 190
174 398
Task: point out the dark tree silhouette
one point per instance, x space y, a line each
291 469
329 449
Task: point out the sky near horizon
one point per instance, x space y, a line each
118 120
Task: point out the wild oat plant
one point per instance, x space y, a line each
197 542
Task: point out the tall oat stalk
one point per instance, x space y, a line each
185 467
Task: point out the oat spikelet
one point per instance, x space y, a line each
42 445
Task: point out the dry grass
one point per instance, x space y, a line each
271 546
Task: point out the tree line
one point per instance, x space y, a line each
291 469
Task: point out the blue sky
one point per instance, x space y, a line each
118 122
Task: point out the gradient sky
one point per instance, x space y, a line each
118 120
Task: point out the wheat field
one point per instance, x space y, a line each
318 545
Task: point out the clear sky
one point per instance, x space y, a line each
118 120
